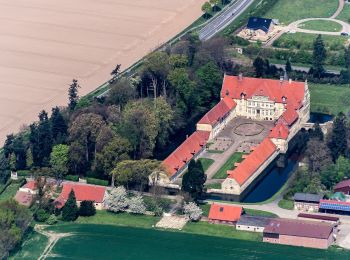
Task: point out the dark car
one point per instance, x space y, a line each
344 34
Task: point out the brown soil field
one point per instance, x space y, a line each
44 44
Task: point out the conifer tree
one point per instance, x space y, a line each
194 179
288 67
70 209
59 126
338 139
73 95
319 57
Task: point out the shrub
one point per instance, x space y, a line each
72 178
51 220
117 200
87 208
136 205
24 173
41 215
97 181
193 211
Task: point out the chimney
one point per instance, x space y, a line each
290 81
281 79
240 76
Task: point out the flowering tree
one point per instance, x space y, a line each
117 200
136 205
193 211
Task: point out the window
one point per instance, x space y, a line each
221 209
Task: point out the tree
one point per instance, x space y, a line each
59 126
193 212
136 205
59 160
117 200
70 209
140 126
29 158
8 148
116 150
116 71
337 142
206 8
214 4
347 58
41 215
194 179
259 66
319 57
134 174
315 186
73 95
19 149
87 208
13 162
318 155
317 132
288 67
121 92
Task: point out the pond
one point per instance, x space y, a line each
320 118
274 179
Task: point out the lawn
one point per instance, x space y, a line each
331 99
345 14
228 165
9 192
304 41
204 228
120 219
205 208
32 247
287 11
321 25
286 204
206 163
259 213
213 186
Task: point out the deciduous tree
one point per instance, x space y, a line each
59 160
192 211
136 205
117 200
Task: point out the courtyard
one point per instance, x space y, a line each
232 143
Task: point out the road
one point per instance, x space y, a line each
223 20
304 69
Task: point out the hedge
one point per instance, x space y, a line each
24 173
97 181
72 178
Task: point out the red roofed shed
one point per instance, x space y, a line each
343 186
226 214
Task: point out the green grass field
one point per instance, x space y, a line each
260 213
204 228
32 247
321 25
286 204
304 41
120 219
228 165
345 14
330 99
114 242
213 186
288 11
10 191
206 163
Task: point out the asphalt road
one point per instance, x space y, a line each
223 20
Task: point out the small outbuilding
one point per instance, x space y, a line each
307 202
224 214
335 207
343 186
260 26
299 233
252 223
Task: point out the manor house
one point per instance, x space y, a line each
284 102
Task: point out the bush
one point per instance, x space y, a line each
87 208
41 215
97 181
72 178
157 205
24 173
51 220
193 211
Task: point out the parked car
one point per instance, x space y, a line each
344 34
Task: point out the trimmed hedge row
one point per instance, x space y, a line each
71 178
97 181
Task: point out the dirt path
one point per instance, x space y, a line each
53 238
340 8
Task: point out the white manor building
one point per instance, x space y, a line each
287 103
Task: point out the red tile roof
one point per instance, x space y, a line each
300 228
290 116
342 184
30 185
247 168
225 212
280 131
24 198
274 89
218 112
82 192
185 152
